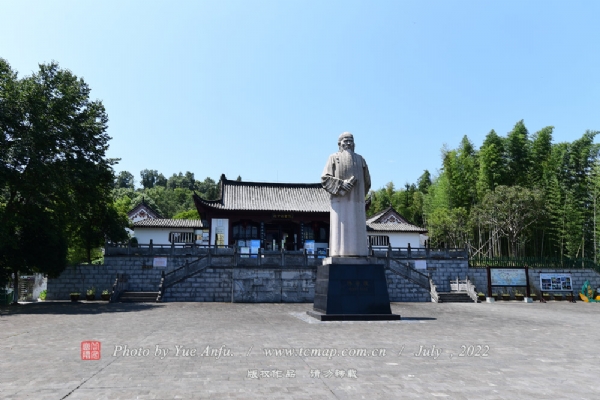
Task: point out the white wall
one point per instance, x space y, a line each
158 235
400 239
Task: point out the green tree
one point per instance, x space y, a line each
492 167
149 178
52 166
124 180
208 189
511 210
449 227
518 154
460 167
181 181
161 181
189 214
541 151
424 182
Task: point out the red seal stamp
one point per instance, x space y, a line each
90 350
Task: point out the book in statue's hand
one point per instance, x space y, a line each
342 191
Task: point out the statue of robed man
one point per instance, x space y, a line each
346 177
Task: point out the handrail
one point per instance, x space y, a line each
161 287
186 249
533 262
433 291
121 284
471 290
178 274
410 273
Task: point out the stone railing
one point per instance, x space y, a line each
172 277
420 253
409 273
179 274
433 291
191 249
121 284
471 290
171 249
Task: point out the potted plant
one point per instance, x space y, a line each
546 296
105 295
533 296
495 296
558 296
43 295
481 296
569 296
519 296
90 294
75 296
505 296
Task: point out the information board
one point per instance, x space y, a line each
159 262
508 276
555 282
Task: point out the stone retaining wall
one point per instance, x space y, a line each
223 282
442 271
141 276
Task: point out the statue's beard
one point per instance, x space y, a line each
349 149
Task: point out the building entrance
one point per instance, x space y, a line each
284 235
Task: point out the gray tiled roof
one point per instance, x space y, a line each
389 220
167 223
262 196
146 207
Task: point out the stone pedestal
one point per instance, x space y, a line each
351 289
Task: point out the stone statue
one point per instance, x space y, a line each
346 177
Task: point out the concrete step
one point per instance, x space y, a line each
138 297
454 298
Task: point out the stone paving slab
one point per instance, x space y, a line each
525 351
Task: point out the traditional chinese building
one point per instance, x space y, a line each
270 215
164 231
142 211
388 228
288 215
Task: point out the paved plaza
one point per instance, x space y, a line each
506 350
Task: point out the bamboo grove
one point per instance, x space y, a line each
520 195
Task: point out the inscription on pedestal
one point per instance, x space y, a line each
357 287
352 289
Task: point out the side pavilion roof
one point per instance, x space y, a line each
389 220
167 223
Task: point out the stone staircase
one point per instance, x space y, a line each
138 297
405 270
454 297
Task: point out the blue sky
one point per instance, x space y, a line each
262 89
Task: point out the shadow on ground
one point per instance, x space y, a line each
74 308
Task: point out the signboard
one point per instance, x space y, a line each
420 264
508 276
309 245
254 247
160 262
283 216
555 282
